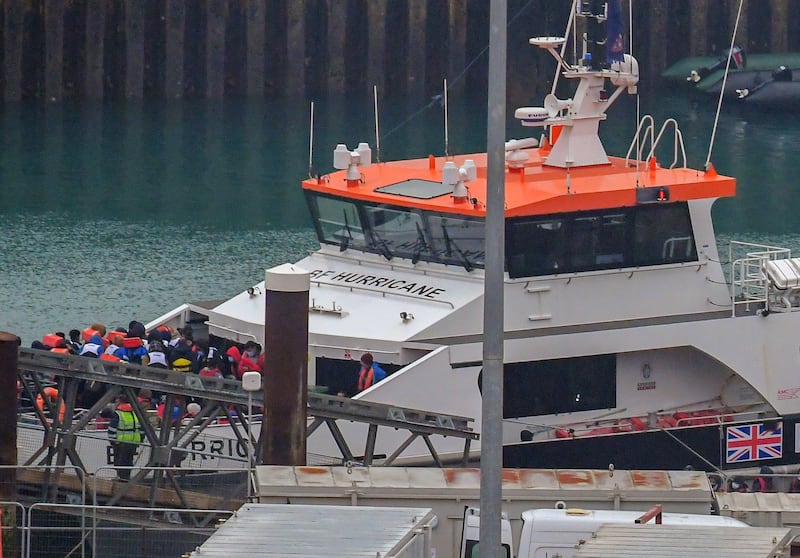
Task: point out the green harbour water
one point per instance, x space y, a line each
118 211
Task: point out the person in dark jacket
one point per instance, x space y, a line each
182 357
763 482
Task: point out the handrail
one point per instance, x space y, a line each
636 140
678 142
583 428
747 273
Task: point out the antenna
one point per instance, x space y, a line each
446 123
724 82
311 144
377 130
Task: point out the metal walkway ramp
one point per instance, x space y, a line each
223 401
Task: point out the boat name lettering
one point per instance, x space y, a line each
210 449
645 386
411 287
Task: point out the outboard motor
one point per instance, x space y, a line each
782 73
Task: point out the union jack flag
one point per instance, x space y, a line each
751 442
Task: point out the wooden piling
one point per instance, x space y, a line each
13 33
134 49
657 14
283 431
215 48
779 26
698 29
256 47
54 50
742 35
95 38
376 44
417 55
9 344
457 38
296 48
173 68
337 29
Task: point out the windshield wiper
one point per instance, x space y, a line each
379 244
421 245
345 243
450 244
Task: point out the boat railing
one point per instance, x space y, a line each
677 143
646 125
646 128
641 423
748 279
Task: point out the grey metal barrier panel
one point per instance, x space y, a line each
120 531
13 540
37 484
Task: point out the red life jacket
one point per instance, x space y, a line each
366 378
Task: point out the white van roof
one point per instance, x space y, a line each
543 517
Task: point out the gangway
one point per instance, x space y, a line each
223 401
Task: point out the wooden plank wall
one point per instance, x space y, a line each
218 48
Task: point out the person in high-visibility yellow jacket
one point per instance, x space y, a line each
126 433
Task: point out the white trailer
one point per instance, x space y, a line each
449 491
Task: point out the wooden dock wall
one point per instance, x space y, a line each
215 48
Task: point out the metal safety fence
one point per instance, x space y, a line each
60 511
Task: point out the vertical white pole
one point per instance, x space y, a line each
249 445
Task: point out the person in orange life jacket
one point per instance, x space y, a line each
60 347
51 394
115 344
251 360
763 483
371 372
136 329
125 433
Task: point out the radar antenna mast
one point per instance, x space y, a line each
377 129
446 124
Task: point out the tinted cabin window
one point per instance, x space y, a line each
559 386
587 241
395 231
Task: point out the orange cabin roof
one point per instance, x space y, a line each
534 190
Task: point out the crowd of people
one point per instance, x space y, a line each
764 482
160 347
180 351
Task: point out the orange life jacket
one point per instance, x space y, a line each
366 378
52 395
